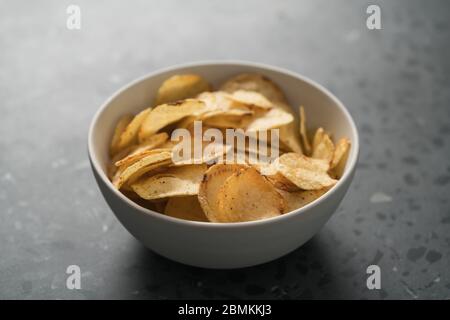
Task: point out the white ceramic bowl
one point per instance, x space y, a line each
223 245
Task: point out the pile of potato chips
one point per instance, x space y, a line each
143 169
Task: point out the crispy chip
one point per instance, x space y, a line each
120 128
279 181
274 118
212 152
289 135
306 173
136 153
187 208
112 168
340 157
237 113
219 100
298 199
175 181
251 98
248 196
289 138
213 180
180 87
152 160
166 114
303 131
323 147
318 136
224 122
160 206
254 82
129 136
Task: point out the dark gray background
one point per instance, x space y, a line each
394 81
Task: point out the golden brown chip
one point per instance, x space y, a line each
298 199
306 173
219 100
224 122
255 82
303 131
130 159
274 118
112 168
129 136
160 206
166 114
179 87
210 152
251 98
289 135
318 136
175 181
152 160
289 138
213 180
236 112
248 196
120 128
187 208
323 147
281 182
340 157
149 144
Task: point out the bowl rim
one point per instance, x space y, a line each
350 167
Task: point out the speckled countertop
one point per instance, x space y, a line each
394 81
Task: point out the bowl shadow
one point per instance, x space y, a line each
309 272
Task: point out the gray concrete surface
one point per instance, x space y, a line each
395 82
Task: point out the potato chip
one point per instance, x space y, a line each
226 113
281 182
175 181
323 147
112 168
306 173
251 98
248 196
166 114
289 138
289 135
224 122
213 180
211 152
254 82
265 169
150 143
150 161
129 136
274 118
120 128
340 157
186 208
298 199
318 136
160 206
180 87
303 131
219 100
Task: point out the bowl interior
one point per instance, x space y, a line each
322 108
